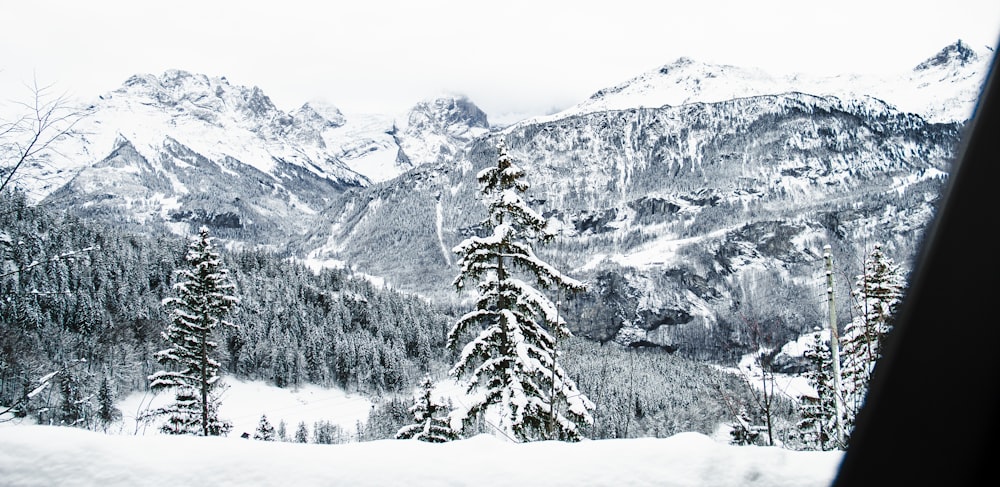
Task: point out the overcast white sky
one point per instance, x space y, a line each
509 56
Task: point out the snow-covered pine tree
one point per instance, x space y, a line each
819 411
302 433
878 291
204 298
73 406
106 410
282 431
265 431
513 357
431 418
327 433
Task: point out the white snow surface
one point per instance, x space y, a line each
52 455
245 401
365 145
789 385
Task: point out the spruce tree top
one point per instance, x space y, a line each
204 288
502 186
514 226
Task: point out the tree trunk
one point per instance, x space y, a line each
204 381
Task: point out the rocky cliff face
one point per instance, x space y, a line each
436 130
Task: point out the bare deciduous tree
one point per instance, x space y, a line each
32 129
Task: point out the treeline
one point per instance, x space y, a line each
638 392
83 301
651 393
295 326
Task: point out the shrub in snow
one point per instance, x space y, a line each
264 431
431 422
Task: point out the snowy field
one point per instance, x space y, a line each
245 401
52 455
136 454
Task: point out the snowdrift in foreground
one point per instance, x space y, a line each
51 455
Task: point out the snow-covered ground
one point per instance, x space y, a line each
790 385
244 402
52 455
136 454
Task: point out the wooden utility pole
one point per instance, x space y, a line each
834 345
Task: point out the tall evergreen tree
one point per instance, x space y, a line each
72 407
282 431
302 433
878 291
431 422
106 410
204 298
327 433
513 357
819 411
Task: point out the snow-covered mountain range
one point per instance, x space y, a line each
678 203
944 88
181 148
680 192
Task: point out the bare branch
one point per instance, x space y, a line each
46 119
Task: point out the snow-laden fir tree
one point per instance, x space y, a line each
282 431
878 291
511 363
302 433
819 411
73 407
431 418
265 431
204 297
106 410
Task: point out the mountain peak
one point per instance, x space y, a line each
328 114
437 128
449 110
681 62
172 80
204 96
959 54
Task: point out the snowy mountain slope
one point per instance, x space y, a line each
210 116
682 206
943 88
185 149
366 144
383 146
437 129
688 203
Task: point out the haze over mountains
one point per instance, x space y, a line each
680 192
